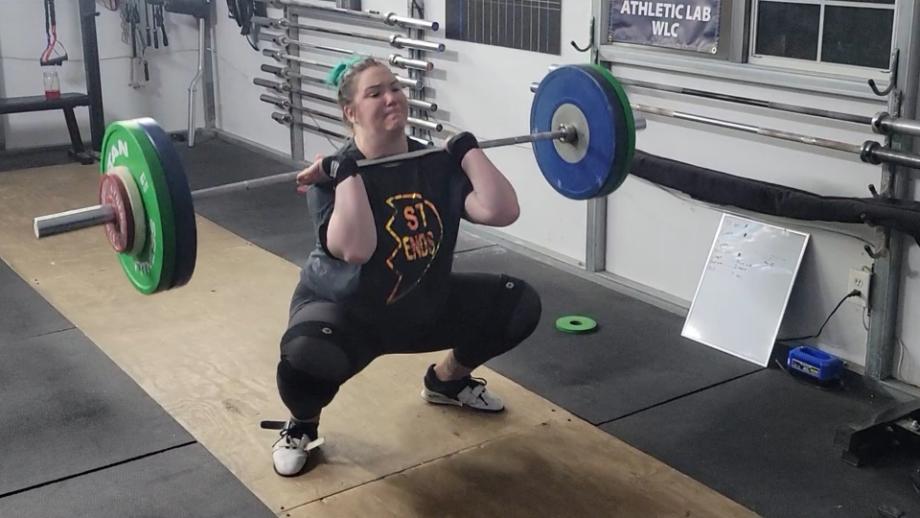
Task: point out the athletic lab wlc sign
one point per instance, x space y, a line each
680 24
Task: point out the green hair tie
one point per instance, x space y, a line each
334 77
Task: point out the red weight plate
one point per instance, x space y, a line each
120 231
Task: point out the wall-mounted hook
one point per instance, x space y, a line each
894 76
590 44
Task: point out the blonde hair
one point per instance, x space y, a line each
344 76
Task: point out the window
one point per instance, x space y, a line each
824 35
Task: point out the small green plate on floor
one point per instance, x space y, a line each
576 324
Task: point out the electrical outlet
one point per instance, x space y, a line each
859 280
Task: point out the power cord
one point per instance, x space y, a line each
854 293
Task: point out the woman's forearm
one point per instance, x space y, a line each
352 234
493 200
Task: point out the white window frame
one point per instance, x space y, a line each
818 66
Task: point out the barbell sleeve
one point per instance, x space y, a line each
71 220
886 124
278 87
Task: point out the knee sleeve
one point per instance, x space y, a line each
524 313
315 349
313 365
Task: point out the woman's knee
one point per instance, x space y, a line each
524 314
315 349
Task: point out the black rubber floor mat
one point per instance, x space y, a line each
635 359
67 408
23 312
767 441
186 481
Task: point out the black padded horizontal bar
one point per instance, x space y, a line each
37 103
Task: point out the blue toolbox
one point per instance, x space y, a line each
814 363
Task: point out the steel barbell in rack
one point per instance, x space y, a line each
287 118
398 41
393 59
285 88
385 18
582 135
287 73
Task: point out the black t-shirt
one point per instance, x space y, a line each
417 207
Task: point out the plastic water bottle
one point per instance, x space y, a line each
52 84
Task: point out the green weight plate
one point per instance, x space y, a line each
575 324
126 144
627 113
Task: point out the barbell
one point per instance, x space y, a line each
583 136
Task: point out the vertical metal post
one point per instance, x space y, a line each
297 131
885 289
208 94
596 239
412 8
93 78
596 228
3 118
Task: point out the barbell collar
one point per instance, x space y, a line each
885 124
874 153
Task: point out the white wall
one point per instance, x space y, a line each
22 40
656 238
239 110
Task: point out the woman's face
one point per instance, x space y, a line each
379 103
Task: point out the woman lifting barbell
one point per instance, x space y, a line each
379 280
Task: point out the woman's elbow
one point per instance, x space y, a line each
353 253
504 216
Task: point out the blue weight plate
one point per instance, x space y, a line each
592 175
183 208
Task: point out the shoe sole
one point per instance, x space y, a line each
438 399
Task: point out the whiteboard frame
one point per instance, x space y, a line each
795 274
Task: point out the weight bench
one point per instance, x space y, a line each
66 102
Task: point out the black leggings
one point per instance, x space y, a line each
485 316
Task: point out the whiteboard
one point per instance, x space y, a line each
745 287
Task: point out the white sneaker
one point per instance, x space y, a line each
291 450
466 392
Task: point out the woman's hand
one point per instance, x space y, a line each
313 174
